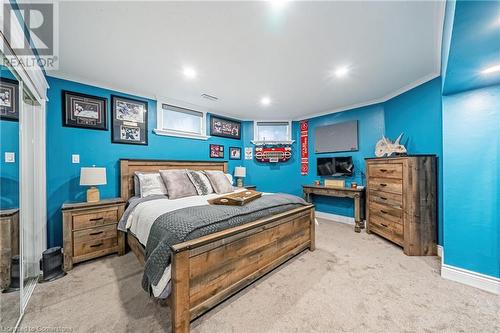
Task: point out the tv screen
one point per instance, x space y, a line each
335 166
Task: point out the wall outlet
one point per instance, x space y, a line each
75 159
10 157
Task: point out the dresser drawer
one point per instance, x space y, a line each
388 185
96 233
390 213
385 198
98 246
89 220
390 230
386 171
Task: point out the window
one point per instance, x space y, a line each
272 132
177 121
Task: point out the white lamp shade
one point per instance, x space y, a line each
240 172
92 176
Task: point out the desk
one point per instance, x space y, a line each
358 194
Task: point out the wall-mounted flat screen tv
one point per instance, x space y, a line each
335 166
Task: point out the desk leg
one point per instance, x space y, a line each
357 213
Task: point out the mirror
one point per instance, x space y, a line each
10 263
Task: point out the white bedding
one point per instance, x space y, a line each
141 220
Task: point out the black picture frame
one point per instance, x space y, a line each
216 151
74 114
129 122
225 127
233 155
9 99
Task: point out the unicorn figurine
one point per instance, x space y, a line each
386 147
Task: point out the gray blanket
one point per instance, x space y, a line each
193 222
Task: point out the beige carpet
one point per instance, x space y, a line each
351 283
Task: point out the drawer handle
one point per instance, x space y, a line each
383 170
383 198
383 211
384 225
383 185
96 233
97 219
97 245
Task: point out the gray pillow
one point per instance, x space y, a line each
178 183
200 182
151 184
219 182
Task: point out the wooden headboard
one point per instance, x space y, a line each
128 167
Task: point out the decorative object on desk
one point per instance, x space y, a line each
317 182
335 183
240 173
51 265
354 185
130 121
216 151
224 127
9 95
304 148
248 153
234 153
273 154
386 147
84 111
92 177
236 199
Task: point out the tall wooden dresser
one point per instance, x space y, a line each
401 201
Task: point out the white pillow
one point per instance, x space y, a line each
151 184
230 177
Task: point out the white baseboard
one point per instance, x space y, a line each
477 280
335 217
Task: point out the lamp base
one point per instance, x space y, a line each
93 194
239 182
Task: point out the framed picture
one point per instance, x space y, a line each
234 153
216 151
85 111
9 99
130 121
226 128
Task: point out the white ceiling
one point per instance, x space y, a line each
243 51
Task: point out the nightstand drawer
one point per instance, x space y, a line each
98 245
96 233
98 218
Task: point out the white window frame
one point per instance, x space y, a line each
288 140
160 128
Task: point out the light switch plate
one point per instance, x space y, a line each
10 157
75 158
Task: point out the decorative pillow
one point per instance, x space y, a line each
230 178
200 182
137 185
151 184
178 183
219 182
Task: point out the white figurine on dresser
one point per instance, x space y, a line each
386 147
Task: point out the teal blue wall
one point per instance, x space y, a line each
9 172
417 113
95 147
471 150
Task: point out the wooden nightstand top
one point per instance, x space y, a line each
102 203
249 186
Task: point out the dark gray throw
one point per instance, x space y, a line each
189 223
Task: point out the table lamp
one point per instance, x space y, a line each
240 173
92 177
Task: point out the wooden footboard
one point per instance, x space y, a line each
207 270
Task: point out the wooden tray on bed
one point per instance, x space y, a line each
236 199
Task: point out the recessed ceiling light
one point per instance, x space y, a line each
341 71
491 69
278 4
265 101
189 72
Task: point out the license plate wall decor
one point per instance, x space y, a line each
226 128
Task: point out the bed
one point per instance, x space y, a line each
207 270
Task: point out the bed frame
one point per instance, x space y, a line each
207 270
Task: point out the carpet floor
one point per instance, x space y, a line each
351 283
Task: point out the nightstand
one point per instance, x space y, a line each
90 230
250 187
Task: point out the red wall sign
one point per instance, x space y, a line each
304 147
